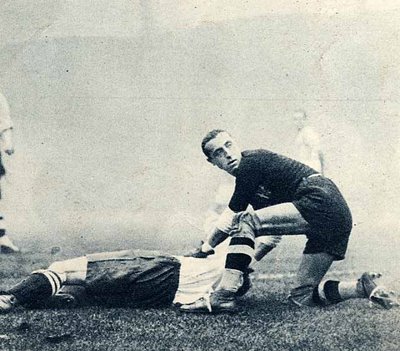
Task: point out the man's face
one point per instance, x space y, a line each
224 152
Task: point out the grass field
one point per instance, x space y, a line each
266 321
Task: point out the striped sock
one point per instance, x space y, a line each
2 226
54 279
327 293
40 285
240 254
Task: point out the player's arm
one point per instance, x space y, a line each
216 235
225 223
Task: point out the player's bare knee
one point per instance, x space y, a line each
247 224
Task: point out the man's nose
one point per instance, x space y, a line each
227 153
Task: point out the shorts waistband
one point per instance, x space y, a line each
314 175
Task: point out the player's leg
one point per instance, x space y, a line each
313 268
321 204
264 245
240 253
322 249
272 223
286 219
280 219
264 227
42 284
6 244
329 292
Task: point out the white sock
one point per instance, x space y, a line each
232 280
348 290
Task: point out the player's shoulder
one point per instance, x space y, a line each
252 158
250 154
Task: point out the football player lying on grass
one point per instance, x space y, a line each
130 278
135 278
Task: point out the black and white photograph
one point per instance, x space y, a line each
199 175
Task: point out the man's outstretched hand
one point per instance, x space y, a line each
200 252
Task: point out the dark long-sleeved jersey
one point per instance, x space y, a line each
265 178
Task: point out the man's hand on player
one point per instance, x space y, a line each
203 251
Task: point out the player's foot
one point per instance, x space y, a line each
7 246
379 295
246 283
216 302
7 303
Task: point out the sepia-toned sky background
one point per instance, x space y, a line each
110 101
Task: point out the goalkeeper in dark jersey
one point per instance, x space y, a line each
288 197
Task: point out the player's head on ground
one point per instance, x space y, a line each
221 150
300 118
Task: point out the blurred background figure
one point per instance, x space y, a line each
219 203
308 143
7 147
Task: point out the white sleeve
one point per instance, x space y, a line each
269 240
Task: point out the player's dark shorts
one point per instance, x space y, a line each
322 205
137 281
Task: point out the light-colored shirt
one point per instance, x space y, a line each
5 119
308 147
199 276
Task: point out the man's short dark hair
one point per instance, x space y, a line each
210 136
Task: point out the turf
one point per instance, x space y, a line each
265 321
